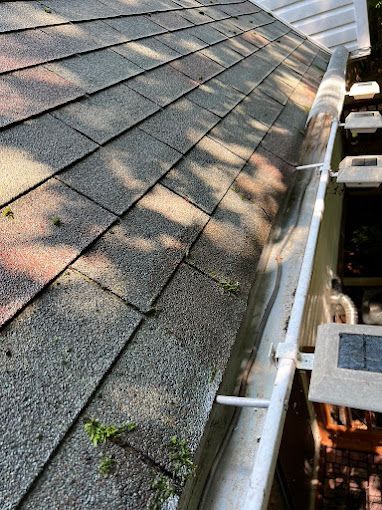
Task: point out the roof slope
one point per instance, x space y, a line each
145 148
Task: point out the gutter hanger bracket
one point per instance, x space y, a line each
303 360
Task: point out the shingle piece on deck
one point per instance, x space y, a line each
121 172
239 133
231 243
156 233
181 124
34 250
192 299
107 113
20 15
198 67
182 41
147 53
77 10
96 70
216 96
135 27
170 20
162 85
35 150
205 174
61 345
32 91
223 54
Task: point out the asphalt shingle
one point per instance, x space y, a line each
242 46
195 16
261 107
96 70
158 230
35 150
181 125
170 20
239 133
121 172
205 174
21 15
79 10
216 96
34 249
55 352
198 67
135 27
107 113
163 85
207 34
223 54
182 41
147 53
32 91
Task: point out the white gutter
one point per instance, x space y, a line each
265 461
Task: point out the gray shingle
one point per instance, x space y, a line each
71 38
20 15
102 33
72 478
121 172
107 113
77 10
261 107
157 231
182 41
273 31
23 49
239 133
214 13
279 84
96 70
35 150
205 174
181 124
216 96
32 91
147 53
254 38
188 3
250 21
35 250
247 74
285 141
242 46
192 298
293 115
134 6
197 66
170 20
223 54
231 244
162 85
242 8
61 346
196 16
207 34
226 28
135 27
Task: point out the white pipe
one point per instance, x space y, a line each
242 401
311 165
265 461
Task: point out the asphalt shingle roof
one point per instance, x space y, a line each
145 149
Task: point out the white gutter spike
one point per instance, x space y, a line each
242 401
265 461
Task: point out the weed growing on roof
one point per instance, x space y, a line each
164 489
46 9
106 465
98 432
56 221
7 213
229 286
181 459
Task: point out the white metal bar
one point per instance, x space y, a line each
265 461
242 401
311 165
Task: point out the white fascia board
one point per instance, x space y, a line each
362 19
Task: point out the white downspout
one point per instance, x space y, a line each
265 461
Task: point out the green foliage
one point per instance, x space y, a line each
56 221
181 459
229 286
376 4
365 235
7 213
164 489
106 465
99 432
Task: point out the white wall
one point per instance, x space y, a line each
330 22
